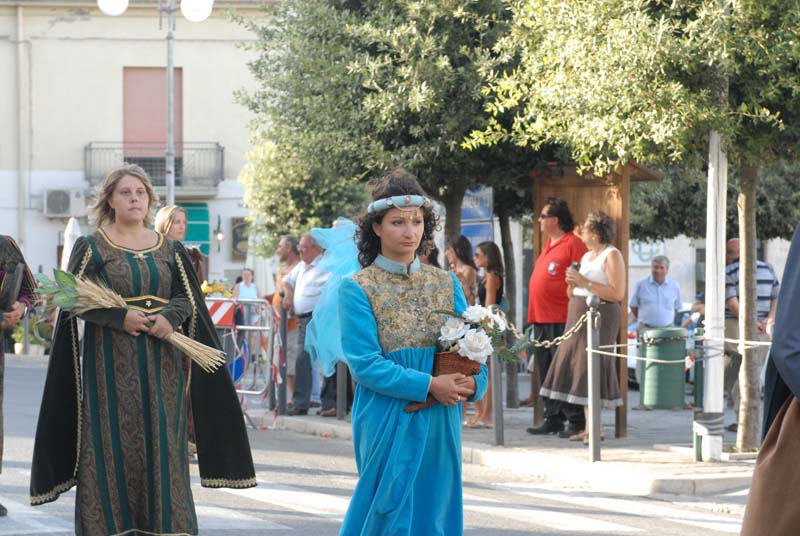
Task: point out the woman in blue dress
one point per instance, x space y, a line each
409 464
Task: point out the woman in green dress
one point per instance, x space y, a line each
119 431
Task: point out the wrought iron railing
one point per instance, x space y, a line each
197 164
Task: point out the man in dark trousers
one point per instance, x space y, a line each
13 308
547 306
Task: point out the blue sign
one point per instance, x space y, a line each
478 204
478 232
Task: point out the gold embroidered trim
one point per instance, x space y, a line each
146 310
53 493
147 533
145 297
148 250
228 483
85 261
189 294
76 363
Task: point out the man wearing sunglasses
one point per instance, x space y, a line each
547 306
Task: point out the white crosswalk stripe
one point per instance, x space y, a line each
214 518
550 511
638 508
297 499
542 516
25 520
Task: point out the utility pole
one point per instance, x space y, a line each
169 164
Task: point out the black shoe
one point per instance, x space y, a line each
549 427
732 427
3 510
296 411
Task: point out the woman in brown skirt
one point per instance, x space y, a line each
772 502
602 273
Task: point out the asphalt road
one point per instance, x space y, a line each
305 483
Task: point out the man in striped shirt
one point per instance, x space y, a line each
766 299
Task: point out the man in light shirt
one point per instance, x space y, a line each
302 287
657 297
655 301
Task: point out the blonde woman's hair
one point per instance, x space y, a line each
102 211
165 217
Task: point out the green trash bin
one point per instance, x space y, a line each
664 388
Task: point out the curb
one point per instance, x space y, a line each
619 477
25 359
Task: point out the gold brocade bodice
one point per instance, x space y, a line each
405 305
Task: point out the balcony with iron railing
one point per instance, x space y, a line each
199 166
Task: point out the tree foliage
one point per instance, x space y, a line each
598 78
677 204
351 88
615 80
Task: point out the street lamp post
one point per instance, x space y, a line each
192 10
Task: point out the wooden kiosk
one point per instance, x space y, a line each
585 193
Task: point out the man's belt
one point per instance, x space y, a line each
147 303
305 315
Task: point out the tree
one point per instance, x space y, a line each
351 88
615 80
676 205
288 196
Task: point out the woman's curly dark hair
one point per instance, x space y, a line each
602 225
396 182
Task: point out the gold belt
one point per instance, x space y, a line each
147 303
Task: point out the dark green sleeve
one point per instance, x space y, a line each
179 307
109 318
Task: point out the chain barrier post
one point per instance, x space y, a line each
497 399
341 390
699 363
272 395
592 345
283 330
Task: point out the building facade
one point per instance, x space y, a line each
82 92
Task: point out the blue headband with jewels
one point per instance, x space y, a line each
398 201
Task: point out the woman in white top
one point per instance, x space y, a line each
602 273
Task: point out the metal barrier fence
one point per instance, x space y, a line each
255 334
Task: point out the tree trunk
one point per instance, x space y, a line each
750 372
452 200
510 292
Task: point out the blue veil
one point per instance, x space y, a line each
340 259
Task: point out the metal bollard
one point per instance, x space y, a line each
497 400
592 345
699 363
283 330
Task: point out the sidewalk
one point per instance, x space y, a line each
655 459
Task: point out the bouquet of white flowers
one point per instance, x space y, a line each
466 343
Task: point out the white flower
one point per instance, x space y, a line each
475 314
475 345
452 330
499 323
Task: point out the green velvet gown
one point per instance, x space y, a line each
132 468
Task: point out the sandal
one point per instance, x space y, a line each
580 436
475 425
586 439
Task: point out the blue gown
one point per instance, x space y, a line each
409 464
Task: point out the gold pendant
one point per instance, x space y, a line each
139 256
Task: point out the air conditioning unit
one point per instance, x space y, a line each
64 203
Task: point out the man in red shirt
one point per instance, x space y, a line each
547 306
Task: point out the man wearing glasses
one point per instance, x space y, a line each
547 306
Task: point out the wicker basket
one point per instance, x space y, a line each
446 363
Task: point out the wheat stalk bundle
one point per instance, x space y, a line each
79 295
